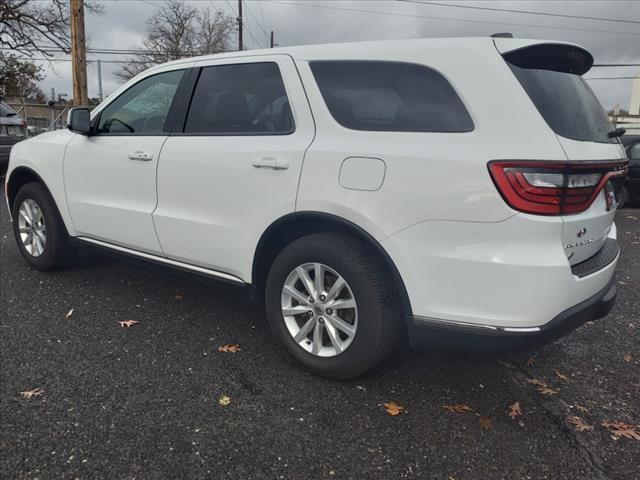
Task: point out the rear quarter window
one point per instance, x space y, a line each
390 96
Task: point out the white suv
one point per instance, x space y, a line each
450 190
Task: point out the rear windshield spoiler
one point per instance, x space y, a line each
551 56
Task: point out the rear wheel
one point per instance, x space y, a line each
331 305
38 228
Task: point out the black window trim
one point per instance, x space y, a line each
171 114
180 132
401 62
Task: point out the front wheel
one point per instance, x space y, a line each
38 229
331 305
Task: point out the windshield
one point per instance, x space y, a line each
567 104
6 111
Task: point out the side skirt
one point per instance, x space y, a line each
220 280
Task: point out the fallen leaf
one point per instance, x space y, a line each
579 424
625 430
485 422
229 348
127 323
458 408
561 376
179 296
36 392
535 381
69 313
514 410
547 391
581 408
393 408
627 358
531 361
224 400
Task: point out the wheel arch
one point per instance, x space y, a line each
19 177
299 224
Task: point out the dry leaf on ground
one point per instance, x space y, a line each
561 375
224 400
127 323
36 392
627 358
514 410
581 408
69 313
393 408
531 361
229 348
485 422
625 430
535 381
547 391
579 424
458 408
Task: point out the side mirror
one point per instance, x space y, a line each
79 120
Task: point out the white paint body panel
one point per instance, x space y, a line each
214 205
462 253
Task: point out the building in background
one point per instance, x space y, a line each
630 120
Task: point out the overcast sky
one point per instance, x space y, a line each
298 22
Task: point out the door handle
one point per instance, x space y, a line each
271 163
142 156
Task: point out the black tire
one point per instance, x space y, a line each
379 310
624 197
56 248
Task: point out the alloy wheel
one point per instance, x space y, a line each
319 309
32 229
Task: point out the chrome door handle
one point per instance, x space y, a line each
271 163
142 156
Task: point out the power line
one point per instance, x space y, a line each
600 65
610 78
525 12
255 19
450 19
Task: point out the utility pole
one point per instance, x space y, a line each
78 53
271 43
240 25
99 81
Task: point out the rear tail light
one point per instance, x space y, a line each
556 188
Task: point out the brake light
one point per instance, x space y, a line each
556 188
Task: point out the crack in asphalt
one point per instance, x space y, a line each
556 409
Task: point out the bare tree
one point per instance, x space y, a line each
178 30
31 27
18 78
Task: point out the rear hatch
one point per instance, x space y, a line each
589 178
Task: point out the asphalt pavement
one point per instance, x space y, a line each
144 402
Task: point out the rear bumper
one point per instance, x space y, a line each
434 333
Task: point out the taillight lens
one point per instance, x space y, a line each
555 188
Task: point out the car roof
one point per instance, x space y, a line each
359 49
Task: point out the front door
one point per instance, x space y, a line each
110 176
235 167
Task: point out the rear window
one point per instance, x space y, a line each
567 104
390 96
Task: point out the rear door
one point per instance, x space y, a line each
234 169
551 74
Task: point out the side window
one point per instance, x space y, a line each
634 151
240 99
143 108
390 96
